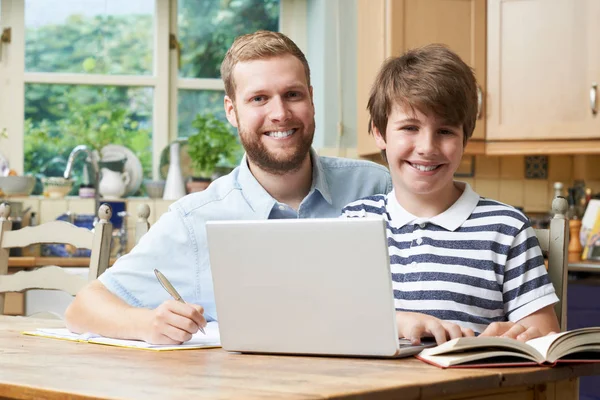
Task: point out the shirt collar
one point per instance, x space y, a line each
451 219
261 201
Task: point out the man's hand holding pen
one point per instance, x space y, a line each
174 322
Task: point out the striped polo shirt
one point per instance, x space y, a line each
476 263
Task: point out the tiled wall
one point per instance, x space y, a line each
503 178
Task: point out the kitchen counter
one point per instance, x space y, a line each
33 262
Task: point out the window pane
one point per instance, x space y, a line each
60 117
192 102
208 27
89 36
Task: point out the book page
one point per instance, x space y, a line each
484 357
484 345
199 340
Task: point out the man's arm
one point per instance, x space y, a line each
96 309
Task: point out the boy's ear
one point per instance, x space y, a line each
379 139
230 111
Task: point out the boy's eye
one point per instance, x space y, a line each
446 132
411 128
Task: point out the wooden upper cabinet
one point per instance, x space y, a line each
543 59
390 27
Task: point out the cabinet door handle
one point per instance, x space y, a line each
593 98
479 101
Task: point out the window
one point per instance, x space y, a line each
133 72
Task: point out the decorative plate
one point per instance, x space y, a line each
133 166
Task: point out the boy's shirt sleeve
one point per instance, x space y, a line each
527 287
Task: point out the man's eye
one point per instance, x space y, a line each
257 99
293 94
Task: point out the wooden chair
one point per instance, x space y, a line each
554 243
53 277
142 225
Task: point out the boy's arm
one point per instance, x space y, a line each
96 309
540 323
414 326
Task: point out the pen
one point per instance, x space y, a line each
171 290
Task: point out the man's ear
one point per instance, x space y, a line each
379 139
230 111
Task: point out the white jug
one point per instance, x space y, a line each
113 184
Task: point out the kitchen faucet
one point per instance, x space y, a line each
90 158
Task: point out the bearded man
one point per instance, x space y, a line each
269 99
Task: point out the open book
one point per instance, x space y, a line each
198 341
579 345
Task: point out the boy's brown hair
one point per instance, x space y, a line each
254 46
431 79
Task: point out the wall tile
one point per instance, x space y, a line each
536 197
511 192
560 169
489 188
487 167
586 167
536 167
512 167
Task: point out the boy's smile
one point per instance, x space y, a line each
423 153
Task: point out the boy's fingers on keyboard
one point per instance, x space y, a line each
453 330
467 332
438 331
514 331
531 333
497 328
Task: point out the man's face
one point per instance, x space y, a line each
274 112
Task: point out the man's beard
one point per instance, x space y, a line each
258 153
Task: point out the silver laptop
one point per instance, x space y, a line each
305 286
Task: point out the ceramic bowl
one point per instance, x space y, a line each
155 189
57 187
17 185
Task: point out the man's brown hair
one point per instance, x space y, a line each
254 46
431 79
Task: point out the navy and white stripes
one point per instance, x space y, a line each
477 263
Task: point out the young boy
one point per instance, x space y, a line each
461 264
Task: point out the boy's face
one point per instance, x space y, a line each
273 111
423 152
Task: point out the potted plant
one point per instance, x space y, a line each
213 144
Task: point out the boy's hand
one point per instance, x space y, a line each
174 323
512 330
414 326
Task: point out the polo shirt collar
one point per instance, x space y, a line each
261 201
451 219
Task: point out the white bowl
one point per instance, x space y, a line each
17 185
56 187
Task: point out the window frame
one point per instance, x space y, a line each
164 80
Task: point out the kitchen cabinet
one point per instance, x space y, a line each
543 62
390 27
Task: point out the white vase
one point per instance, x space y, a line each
174 187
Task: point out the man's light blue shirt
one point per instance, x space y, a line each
177 246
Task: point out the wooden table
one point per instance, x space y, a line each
35 367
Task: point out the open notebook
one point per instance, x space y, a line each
198 341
